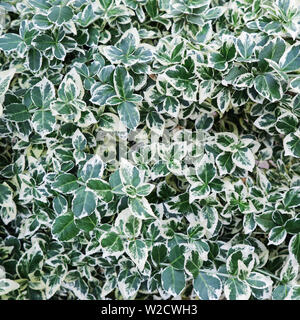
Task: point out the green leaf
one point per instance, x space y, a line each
101 93
5 79
216 185
43 42
281 292
17 112
84 203
206 172
43 122
5 194
293 226
226 140
214 13
245 45
244 158
79 141
265 121
8 211
265 221
176 257
181 79
259 281
171 105
268 86
144 190
240 261
159 169
138 252
60 14
207 286
295 84
273 50
10 41
223 100
291 145
140 207
116 183
159 254
87 16
203 248
281 74
292 198
155 122
181 204
132 226
295 294
88 223
206 89
60 205
249 223
41 21
34 59
287 123
93 168
111 123
64 228
41 4
290 61
225 163
54 281
43 93
128 50
204 122
59 51
219 59
124 49
173 281
65 183
129 174
235 289
277 235
199 191
129 284
123 83
193 263
7 285
290 271
101 188
112 244
210 215
129 114
106 74
294 247
30 261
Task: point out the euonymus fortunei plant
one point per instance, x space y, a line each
149 149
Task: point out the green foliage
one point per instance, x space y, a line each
149 149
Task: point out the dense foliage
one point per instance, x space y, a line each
149 149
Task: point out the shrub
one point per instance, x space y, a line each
149 149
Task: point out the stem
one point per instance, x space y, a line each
229 276
294 75
267 274
218 273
